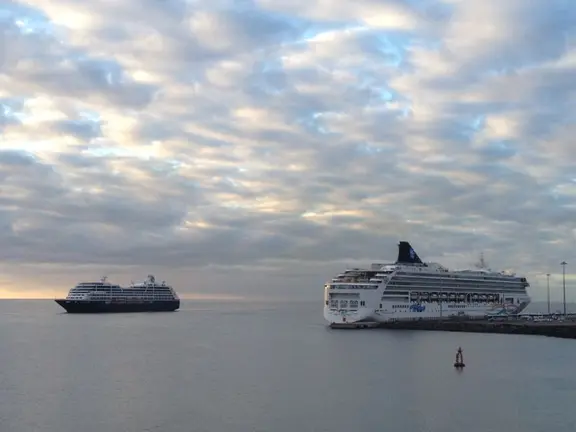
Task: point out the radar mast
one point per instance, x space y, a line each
481 264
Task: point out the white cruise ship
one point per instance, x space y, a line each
103 296
410 289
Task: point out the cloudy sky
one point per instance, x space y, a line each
252 148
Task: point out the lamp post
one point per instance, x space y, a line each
548 291
563 264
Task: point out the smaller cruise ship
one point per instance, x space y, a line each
103 296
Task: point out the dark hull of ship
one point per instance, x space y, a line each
80 306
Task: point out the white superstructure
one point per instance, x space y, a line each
411 289
149 290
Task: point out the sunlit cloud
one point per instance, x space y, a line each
249 149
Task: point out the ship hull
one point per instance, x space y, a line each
87 307
430 311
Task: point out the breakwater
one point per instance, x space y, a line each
560 329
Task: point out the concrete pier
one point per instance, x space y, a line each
353 326
561 329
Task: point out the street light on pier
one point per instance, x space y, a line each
548 291
563 264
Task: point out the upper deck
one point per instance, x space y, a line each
103 290
409 266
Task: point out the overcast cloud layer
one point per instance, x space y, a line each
253 148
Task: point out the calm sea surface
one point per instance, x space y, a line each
239 367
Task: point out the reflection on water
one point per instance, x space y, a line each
223 366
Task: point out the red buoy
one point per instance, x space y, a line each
459 363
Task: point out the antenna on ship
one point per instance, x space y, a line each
481 264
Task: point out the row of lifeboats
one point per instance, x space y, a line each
425 296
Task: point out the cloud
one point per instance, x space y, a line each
254 148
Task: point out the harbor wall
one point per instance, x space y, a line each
565 329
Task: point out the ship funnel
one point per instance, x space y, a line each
407 255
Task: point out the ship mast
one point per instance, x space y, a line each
481 264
